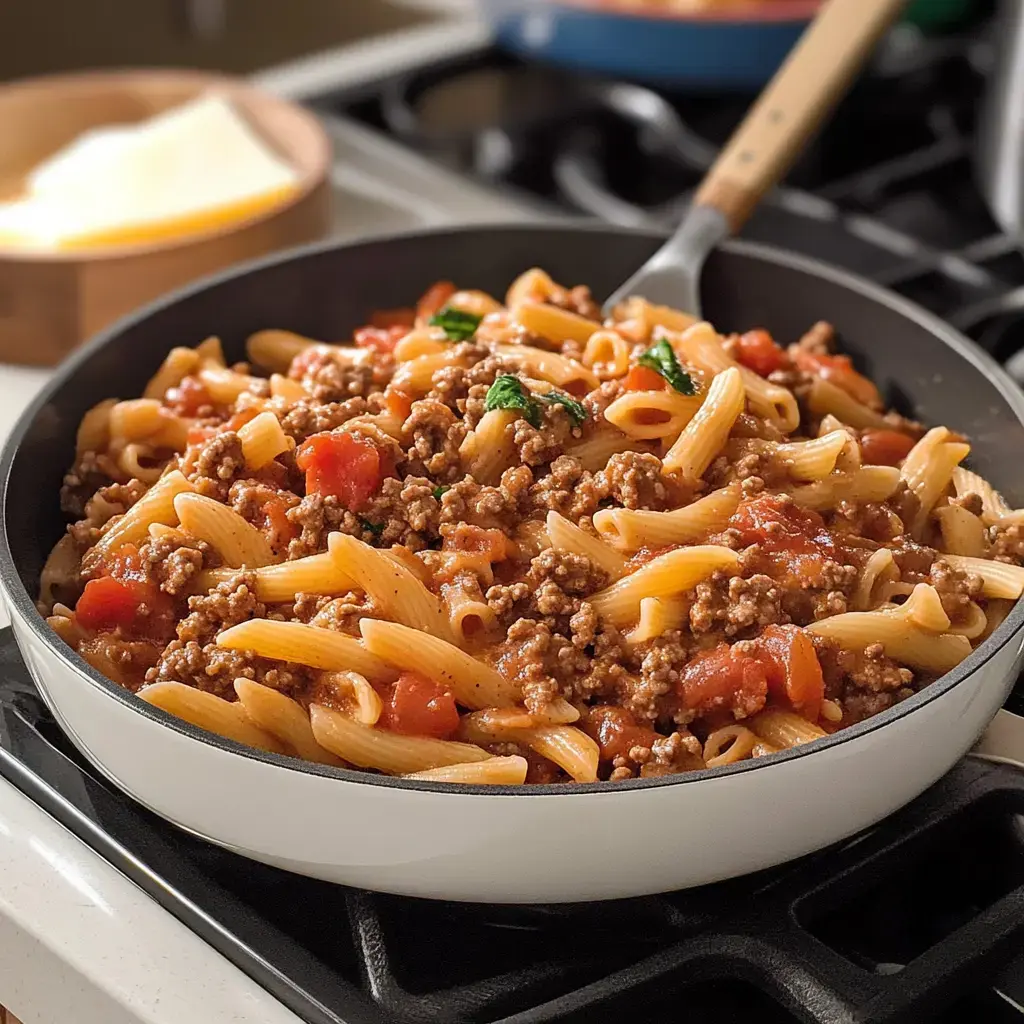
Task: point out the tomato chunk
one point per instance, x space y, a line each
276 524
643 378
108 603
433 299
617 732
417 706
839 370
189 397
347 466
402 317
792 669
885 447
380 339
758 352
779 525
721 679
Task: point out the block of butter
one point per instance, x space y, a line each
186 171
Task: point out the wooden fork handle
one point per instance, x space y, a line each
814 76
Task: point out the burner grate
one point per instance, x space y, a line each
896 925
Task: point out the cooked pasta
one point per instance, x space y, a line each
519 542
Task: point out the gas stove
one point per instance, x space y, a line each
917 920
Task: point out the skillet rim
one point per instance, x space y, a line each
23 603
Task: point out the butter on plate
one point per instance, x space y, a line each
187 171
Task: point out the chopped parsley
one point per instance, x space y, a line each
508 392
440 490
662 360
375 528
456 324
576 411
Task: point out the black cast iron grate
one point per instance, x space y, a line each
917 920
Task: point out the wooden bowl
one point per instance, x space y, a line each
52 301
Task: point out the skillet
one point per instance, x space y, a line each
546 843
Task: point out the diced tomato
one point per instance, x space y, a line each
617 732
108 603
344 465
782 528
404 317
188 397
722 679
792 669
758 352
838 370
380 339
276 523
643 378
397 403
417 706
239 419
433 299
200 435
885 447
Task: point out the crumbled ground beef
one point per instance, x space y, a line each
311 417
330 379
576 300
1007 543
228 604
433 435
567 488
107 502
90 476
956 589
734 605
634 479
173 560
904 503
913 560
218 464
543 662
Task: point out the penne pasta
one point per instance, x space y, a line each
471 617
607 354
877 566
999 579
825 399
553 324
235 540
869 483
566 536
557 369
928 471
729 744
396 592
284 719
632 529
704 435
657 616
306 645
263 440
225 386
784 729
490 449
652 415
275 350
354 694
287 390
963 533
994 507
701 346
473 683
390 752
211 713
814 459
275 584
595 448
179 364
496 771
665 576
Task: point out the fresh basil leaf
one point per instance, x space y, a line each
456 324
375 528
660 358
441 489
576 411
507 392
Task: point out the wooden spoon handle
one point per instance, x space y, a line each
815 75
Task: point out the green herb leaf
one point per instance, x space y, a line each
662 359
375 528
507 392
576 411
440 490
458 325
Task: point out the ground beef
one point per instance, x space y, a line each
541 661
433 435
218 464
498 507
872 521
91 473
598 400
576 300
309 417
107 502
342 614
970 501
174 559
1007 543
463 385
330 379
634 479
316 516
913 560
406 512
734 605
862 682
567 488
904 502
119 658
228 604
662 660
537 447
956 589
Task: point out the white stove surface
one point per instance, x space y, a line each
80 943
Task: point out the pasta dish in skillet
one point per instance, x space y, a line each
508 542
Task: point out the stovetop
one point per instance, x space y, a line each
918 919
